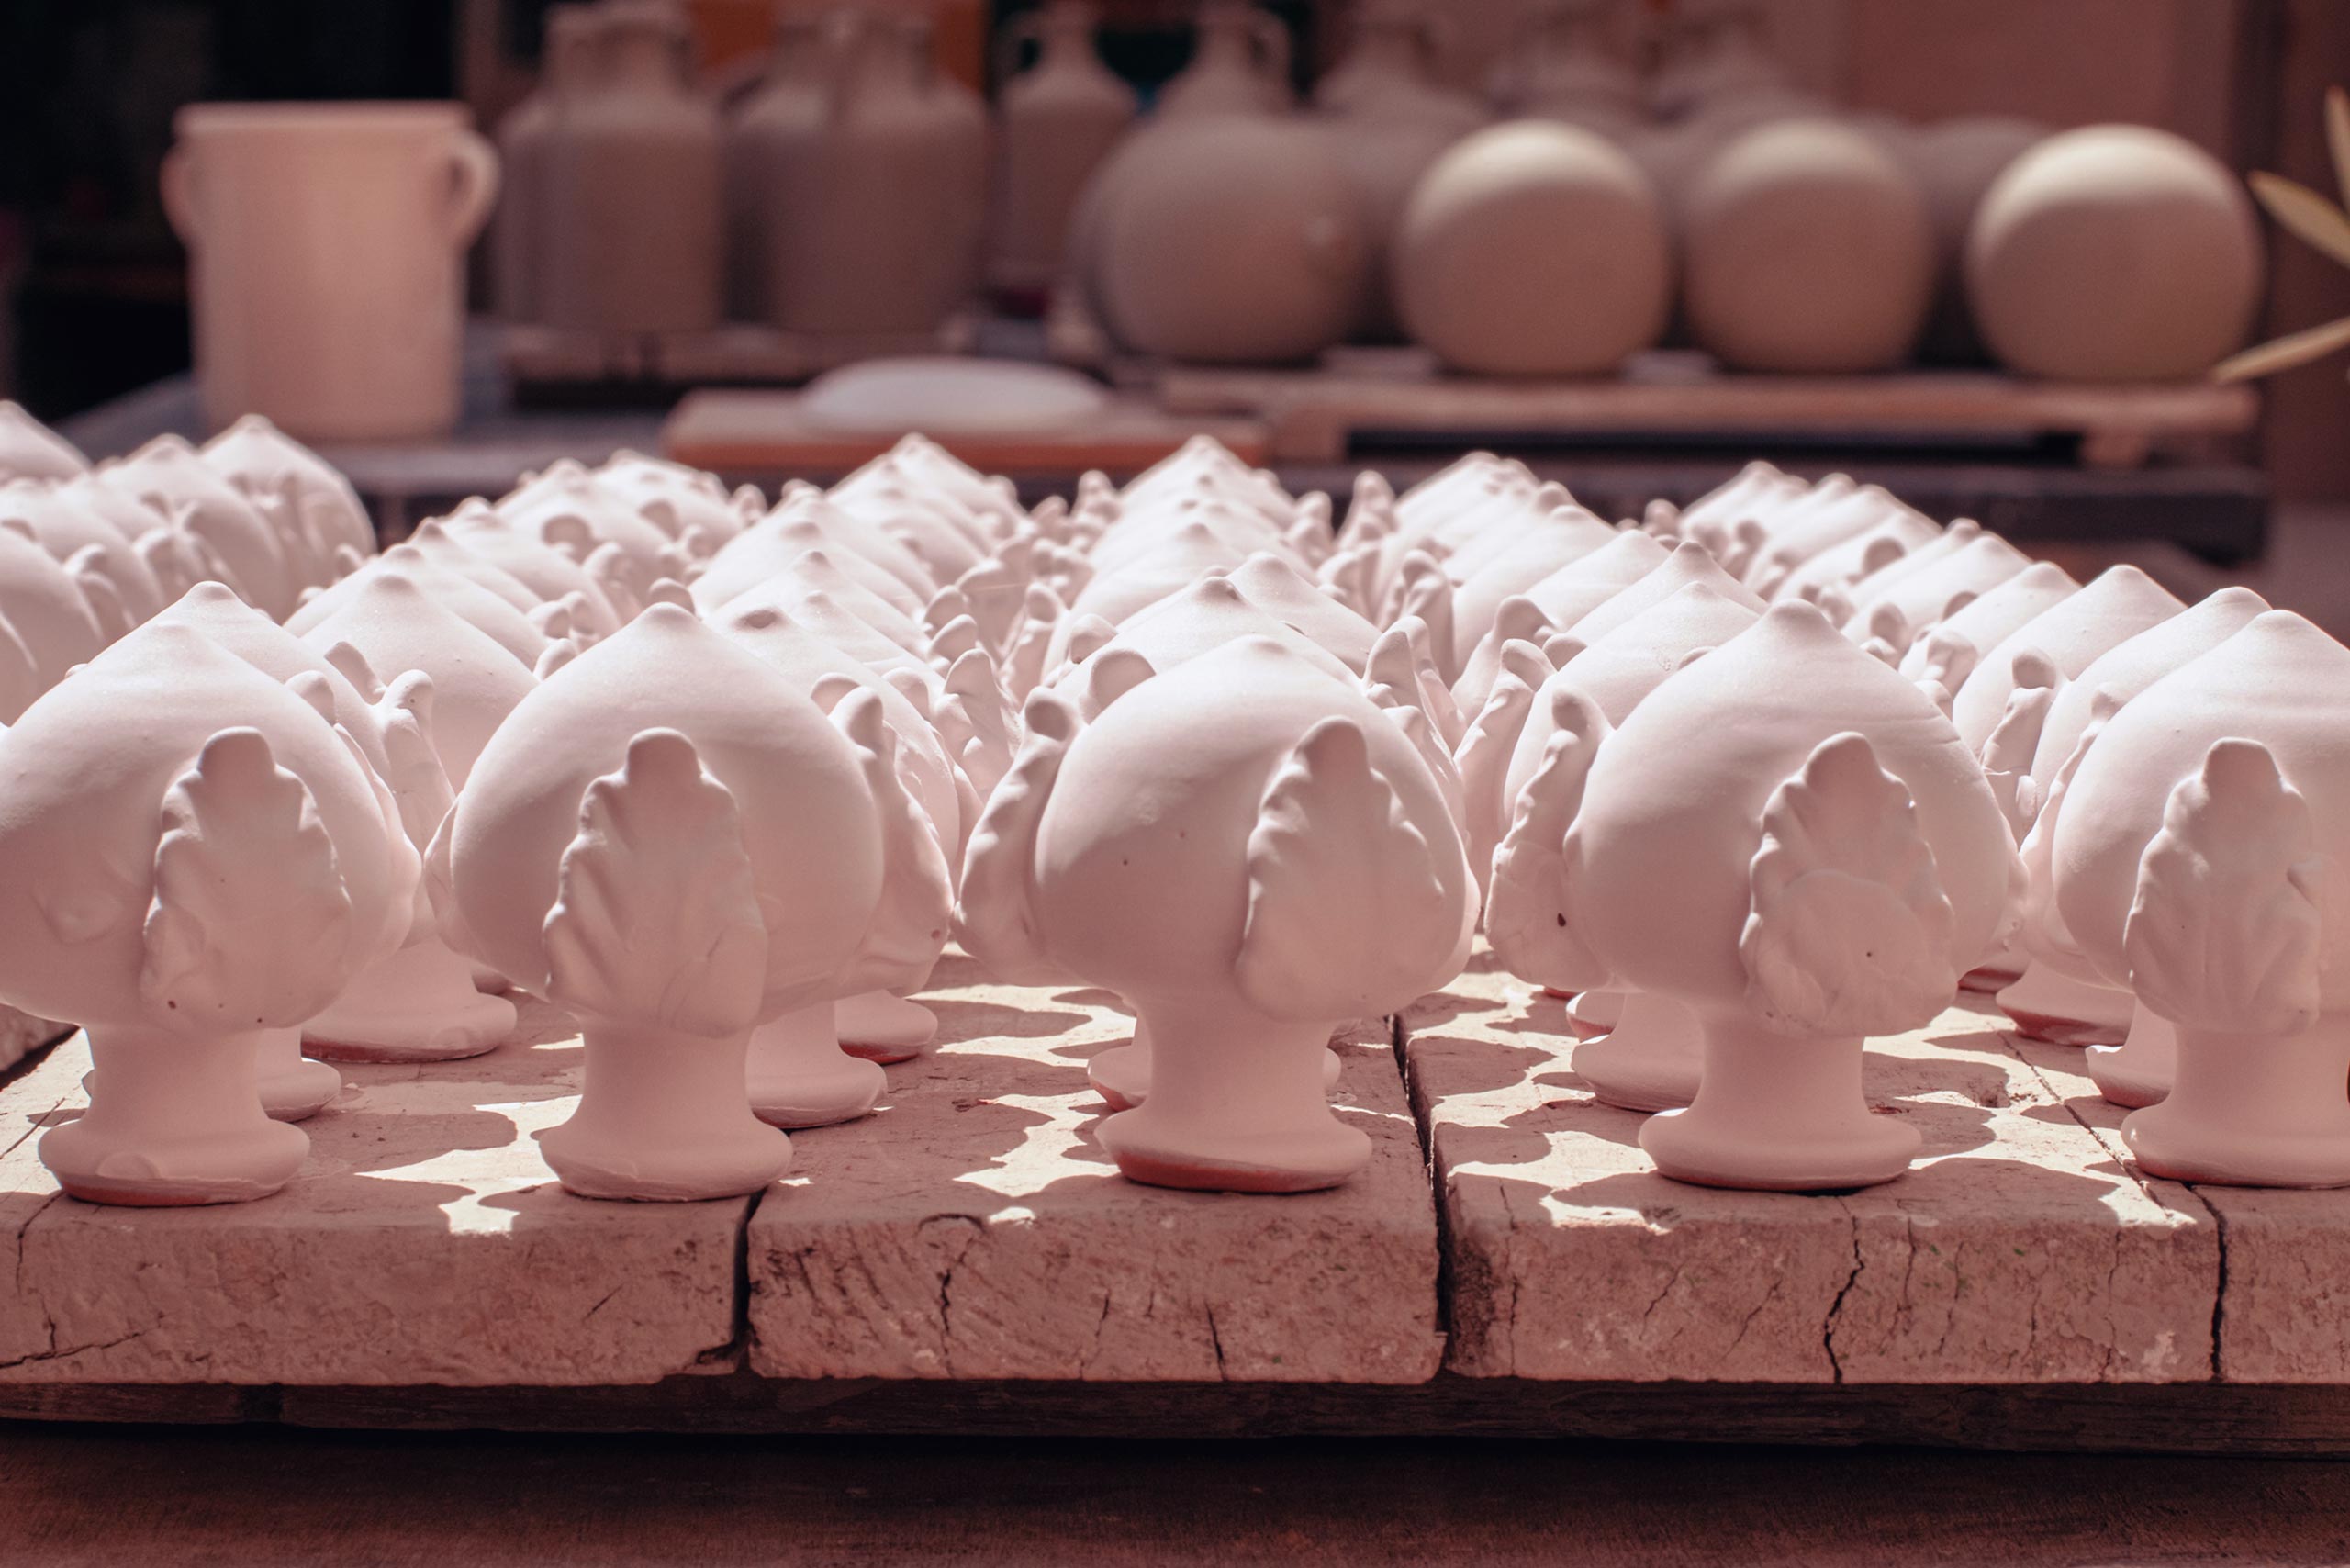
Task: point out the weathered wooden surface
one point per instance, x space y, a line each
766 433
2015 1251
1313 415
423 1241
2282 1312
974 1228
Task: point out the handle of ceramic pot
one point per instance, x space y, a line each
474 163
1026 27
178 184
1272 40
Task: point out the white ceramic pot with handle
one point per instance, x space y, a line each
326 247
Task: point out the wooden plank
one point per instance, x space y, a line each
764 432
423 1241
2014 1250
1314 414
974 1228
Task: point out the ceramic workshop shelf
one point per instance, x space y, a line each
765 432
967 1261
1313 415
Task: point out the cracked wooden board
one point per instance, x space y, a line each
423 1241
2016 1250
973 1229
2282 1312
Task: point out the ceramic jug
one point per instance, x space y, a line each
1567 68
1240 64
769 150
634 233
1058 120
519 231
891 241
326 250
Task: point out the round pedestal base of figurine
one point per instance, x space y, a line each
1298 1159
293 1086
1778 1113
664 1118
1595 1012
419 1004
2046 1005
1121 1074
173 1121
2251 1110
880 1027
1651 1060
799 1076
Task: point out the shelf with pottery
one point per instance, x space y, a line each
1313 415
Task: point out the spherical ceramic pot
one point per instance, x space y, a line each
1789 839
1252 852
1533 248
670 840
194 858
1955 162
1227 239
2115 253
1806 250
2198 842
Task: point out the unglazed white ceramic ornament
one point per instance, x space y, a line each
2066 1005
669 840
173 476
1555 605
483 608
48 624
1788 838
1806 250
798 1078
1533 248
1834 571
395 626
2114 252
1796 542
2199 837
1251 852
1897 605
31 450
811 523
194 856
1648 1057
2116 605
260 459
1951 647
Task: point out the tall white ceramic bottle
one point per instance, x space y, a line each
1060 119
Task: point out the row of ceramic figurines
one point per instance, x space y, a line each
1290 761
852 190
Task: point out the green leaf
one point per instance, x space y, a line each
2294 349
2306 213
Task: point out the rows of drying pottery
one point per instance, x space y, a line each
1752 781
855 192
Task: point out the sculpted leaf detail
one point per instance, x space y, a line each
909 925
974 719
250 922
1346 899
1526 904
2224 932
2007 755
1848 930
1485 751
657 919
994 921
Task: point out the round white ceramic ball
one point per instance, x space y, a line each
1533 248
1807 249
2114 252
